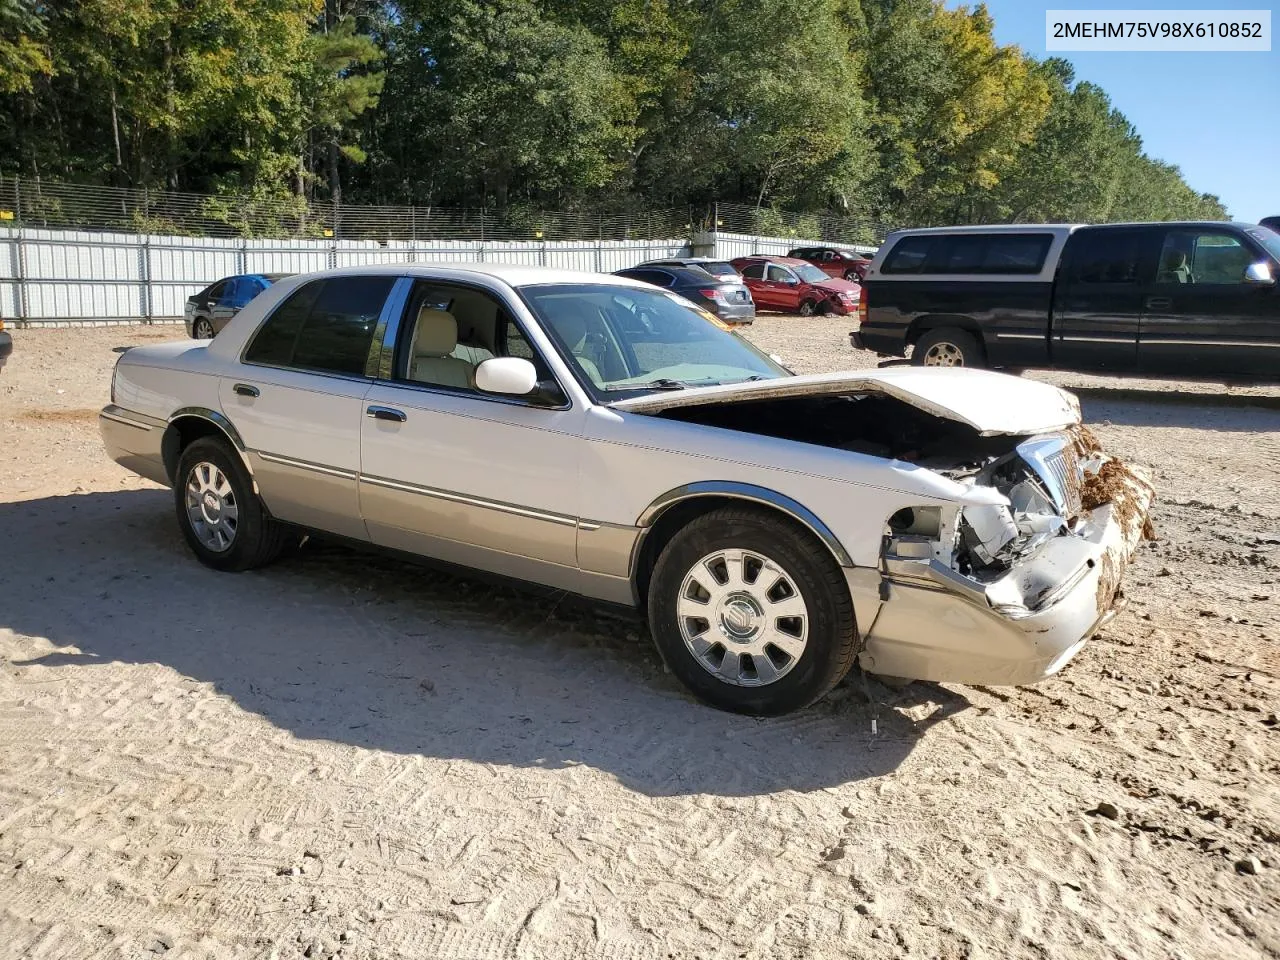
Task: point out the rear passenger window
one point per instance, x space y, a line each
326 326
1106 257
988 253
753 271
908 255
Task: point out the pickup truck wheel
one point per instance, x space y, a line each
203 329
948 347
750 613
221 517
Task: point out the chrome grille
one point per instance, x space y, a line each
1057 464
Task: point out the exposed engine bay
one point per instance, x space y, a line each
1044 478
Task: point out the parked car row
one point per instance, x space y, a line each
729 289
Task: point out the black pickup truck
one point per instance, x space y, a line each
1181 299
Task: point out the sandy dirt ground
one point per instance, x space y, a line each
347 755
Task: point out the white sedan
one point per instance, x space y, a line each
597 435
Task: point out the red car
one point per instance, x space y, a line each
794 286
834 262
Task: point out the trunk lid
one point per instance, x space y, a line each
994 404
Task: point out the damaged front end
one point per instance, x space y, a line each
1036 551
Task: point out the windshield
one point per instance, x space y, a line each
626 341
809 273
1269 239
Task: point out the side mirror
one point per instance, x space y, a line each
1259 273
509 376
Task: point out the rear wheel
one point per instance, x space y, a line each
203 329
948 347
750 613
222 519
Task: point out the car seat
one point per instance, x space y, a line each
434 339
572 325
1174 268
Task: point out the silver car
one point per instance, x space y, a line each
597 435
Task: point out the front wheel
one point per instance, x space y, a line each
807 308
221 517
948 347
750 613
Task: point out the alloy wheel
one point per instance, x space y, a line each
944 354
211 506
742 617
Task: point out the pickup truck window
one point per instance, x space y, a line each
1107 257
1202 256
908 255
325 326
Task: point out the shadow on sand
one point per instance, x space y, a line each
352 647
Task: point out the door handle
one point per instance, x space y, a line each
244 390
386 413
1159 303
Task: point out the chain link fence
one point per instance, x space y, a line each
35 203
743 218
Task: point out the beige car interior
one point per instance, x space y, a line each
448 344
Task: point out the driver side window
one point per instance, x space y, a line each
447 331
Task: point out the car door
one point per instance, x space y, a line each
1099 297
753 277
449 472
208 297
1203 314
226 304
783 286
297 399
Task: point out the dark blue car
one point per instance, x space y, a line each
209 310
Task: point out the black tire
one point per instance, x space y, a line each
852 276
951 343
824 308
831 642
202 329
807 308
258 539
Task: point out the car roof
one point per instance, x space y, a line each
766 258
1062 227
687 273
512 274
683 261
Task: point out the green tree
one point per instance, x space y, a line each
22 52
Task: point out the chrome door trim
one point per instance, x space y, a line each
498 505
1021 336
1208 343
306 465
1098 339
383 346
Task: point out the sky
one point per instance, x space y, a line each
1214 115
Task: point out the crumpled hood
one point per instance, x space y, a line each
994 404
